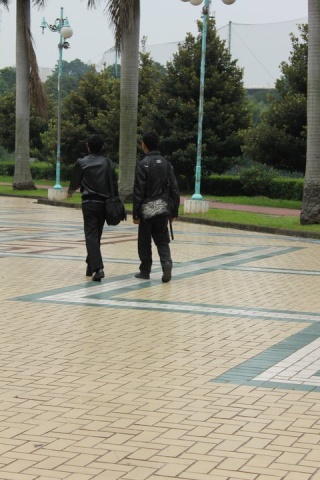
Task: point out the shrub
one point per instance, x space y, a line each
221 185
257 180
7 168
39 170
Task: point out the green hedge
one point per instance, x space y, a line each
6 168
221 185
39 170
217 185
287 188
231 185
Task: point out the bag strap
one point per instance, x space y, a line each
171 229
110 178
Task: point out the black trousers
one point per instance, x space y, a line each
155 229
93 221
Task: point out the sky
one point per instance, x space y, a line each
162 22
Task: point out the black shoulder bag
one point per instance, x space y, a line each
115 211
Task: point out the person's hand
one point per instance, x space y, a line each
136 221
173 219
69 195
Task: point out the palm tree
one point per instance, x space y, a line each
22 179
5 4
310 212
28 85
124 15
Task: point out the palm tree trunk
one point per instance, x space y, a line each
22 179
129 108
310 212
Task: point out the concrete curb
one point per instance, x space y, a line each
58 203
252 228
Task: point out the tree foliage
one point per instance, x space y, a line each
280 139
95 108
258 102
7 80
38 125
92 108
7 120
151 76
72 73
175 110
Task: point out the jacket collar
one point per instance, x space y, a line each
153 152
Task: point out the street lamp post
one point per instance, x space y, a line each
205 13
61 26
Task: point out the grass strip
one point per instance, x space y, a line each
214 214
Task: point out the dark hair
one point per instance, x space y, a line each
95 143
151 140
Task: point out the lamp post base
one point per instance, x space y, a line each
57 194
197 196
195 206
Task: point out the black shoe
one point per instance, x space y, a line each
88 272
167 269
145 276
98 275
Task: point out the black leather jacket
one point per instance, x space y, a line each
92 174
154 175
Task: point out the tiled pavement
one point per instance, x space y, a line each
215 375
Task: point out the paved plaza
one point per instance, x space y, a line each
213 376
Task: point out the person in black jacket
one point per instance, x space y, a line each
154 178
93 174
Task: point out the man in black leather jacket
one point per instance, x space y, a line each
93 174
154 176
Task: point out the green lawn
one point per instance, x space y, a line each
258 201
290 223
7 179
8 190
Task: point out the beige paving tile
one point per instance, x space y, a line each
16 476
171 470
268 477
119 380
297 476
139 473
